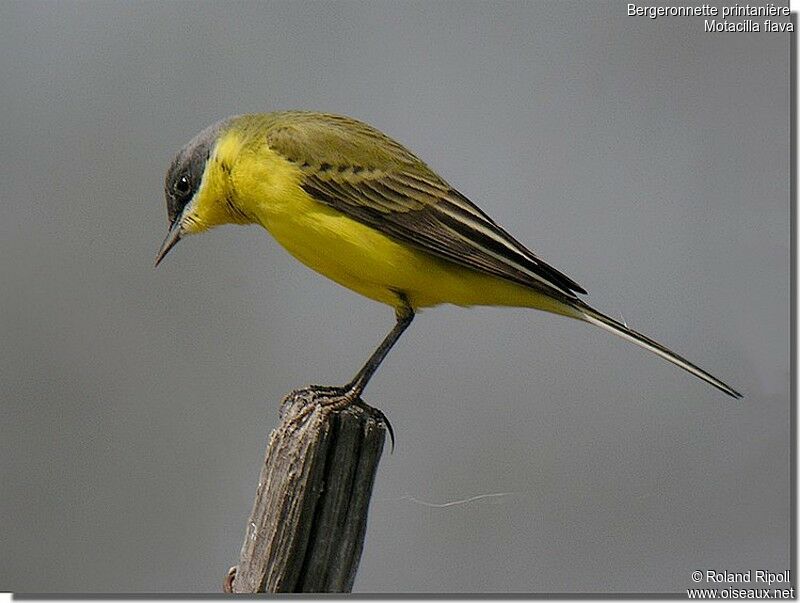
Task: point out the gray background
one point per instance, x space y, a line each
646 159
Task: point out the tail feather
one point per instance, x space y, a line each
591 315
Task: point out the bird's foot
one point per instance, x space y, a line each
331 399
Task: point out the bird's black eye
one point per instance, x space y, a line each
182 186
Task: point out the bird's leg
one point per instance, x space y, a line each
405 314
342 397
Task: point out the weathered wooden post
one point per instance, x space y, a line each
306 530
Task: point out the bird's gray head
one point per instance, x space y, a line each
184 176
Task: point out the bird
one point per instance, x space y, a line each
358 207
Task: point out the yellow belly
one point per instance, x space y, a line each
379 267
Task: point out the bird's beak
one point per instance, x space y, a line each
173 236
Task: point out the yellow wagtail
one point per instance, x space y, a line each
359 208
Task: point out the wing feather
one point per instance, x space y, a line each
369 177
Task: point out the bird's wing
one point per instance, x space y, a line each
367 176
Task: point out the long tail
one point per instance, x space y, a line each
591 315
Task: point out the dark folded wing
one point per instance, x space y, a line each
401 197
438 220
